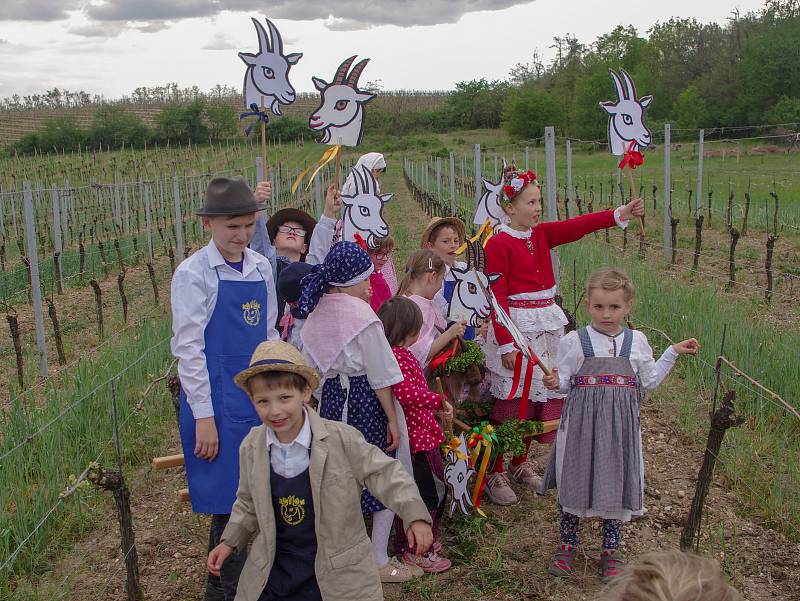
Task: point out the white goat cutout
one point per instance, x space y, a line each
267 72
469 302
457 475
489 203
626 128
363 210
340 114
503 319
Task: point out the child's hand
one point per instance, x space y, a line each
392 437
687 347
263 191
206 444
447 411
333 203
217 557
552 382
633 210
509 359
457 329
420 537
482 329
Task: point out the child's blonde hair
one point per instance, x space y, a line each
611 279
671 576
420 262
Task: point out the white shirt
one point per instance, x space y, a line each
290 459
367 353
651 372
321 240
193 297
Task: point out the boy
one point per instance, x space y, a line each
300 493
223 305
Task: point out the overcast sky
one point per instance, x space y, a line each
111 47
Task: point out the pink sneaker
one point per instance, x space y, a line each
431 562
525 474
498 489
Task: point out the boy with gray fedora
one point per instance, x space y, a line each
223 306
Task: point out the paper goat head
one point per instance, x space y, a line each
363 210
468 302
626 116
489 203
267 72
340 114
457 475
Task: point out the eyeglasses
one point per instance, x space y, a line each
288 229
380 255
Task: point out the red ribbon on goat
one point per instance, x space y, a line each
360 241
632 158
522 413
444 356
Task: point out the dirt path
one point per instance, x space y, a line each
501 557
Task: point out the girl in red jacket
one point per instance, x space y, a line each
520 251
402 322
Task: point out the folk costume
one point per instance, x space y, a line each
221 311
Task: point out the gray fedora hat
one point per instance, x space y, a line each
229 196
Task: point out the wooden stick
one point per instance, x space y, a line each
338 165
168 461
263 138
641 219
448 423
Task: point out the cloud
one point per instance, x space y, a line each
37 10
219 41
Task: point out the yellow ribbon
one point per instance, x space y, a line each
486 444
487 226
326 158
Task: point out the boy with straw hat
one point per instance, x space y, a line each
306 549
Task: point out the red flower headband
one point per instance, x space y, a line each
516 181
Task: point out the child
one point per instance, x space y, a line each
424 274
520 251
597 459
343 339
381 291
289 288
443 236
301 478
672 576
402 321
223 305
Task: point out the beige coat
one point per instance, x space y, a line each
341 464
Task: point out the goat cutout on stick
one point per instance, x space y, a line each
267 74
341 111
363 210
469 301
626 128
489 203
457 476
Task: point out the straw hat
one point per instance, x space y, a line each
276 355
453 222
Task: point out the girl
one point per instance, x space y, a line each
402 322
443 236
520 251
597 459
381 291
343 339
423 279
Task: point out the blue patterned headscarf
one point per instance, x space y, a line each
347 264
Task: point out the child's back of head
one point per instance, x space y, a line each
671 576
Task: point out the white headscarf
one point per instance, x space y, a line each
371 160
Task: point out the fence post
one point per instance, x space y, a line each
176 193
699 197
438 179
552 185
59 247
527 159
36 288
667 192
452 184
570 189
477 176
148 222
127 212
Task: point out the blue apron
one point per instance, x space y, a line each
237 326
449 288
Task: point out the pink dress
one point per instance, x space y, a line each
433 323
380 290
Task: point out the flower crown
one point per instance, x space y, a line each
515 181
